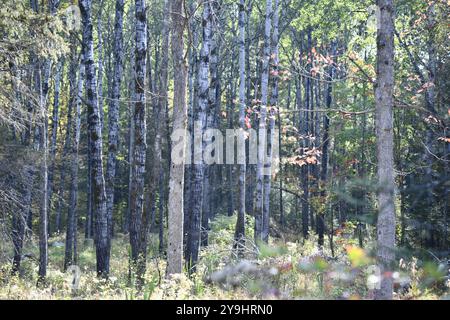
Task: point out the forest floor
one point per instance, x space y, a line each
281 270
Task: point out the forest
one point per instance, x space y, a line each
224 149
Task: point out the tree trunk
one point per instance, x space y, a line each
259 219
384 91
113 114
76 89
43 210
161 211
306 221
43 146
193 65
131 107
138 218
102 239
176 181
72 144
325 147
54 132
20 220
271 128
208 187
199 128
63 166
240 223
230 167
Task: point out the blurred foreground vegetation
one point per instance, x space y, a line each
287 269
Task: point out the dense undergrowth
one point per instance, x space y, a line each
281 270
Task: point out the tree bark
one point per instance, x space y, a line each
113 114
384 90
208 187
138 219
54 132
240 223
176 180
102 239
325 149
259 219
72 257
76 92
199 128
193 65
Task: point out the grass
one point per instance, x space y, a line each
280 270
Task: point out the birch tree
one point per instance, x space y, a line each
240 223
76 92
102 239
271 127
113 112
199 128
259 219
138 218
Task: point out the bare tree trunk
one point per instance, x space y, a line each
54 132
73 204
208 187
231 97
113 113
76 92
271 128
230 167
100 64
102 239
430 102
20 220
259 219
89 227
176 180
43 88
199 128
131 107
250 169
161 211
138 219
43 210
384 91
240 223
325 150
157 176
193 65
63 166
306 220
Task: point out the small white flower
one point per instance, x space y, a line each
273 271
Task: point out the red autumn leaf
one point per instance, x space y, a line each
247 122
